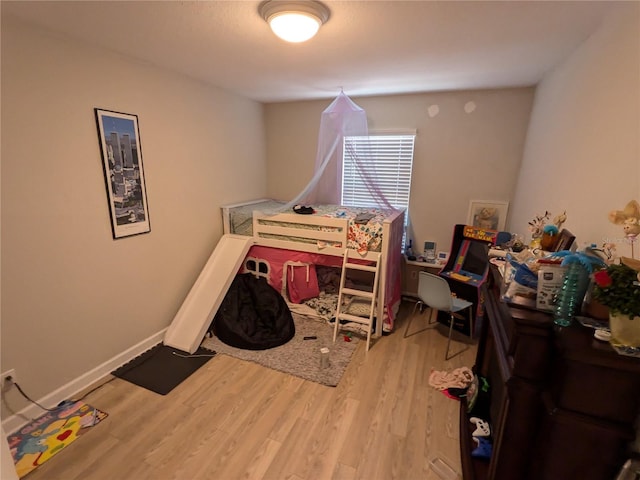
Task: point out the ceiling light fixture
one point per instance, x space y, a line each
294 21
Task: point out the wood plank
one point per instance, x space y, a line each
237 420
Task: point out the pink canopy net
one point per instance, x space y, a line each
342 118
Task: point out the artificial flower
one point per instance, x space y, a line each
617 287
602 279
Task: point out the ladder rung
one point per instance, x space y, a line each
358 266
357 293
354 318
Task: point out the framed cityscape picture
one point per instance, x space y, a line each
119 137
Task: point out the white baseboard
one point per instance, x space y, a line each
24 416
7 468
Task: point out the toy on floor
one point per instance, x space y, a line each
482 427
478 397
455 393
483 449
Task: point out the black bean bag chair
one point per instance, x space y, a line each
253 315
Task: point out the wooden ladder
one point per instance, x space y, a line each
370 296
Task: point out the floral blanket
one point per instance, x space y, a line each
365 236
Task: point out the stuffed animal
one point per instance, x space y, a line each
559 220
536 226
629 218
540 229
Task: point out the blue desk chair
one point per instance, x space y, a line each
434 292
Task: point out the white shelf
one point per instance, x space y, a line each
436 266
410 275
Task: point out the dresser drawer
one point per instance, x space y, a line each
525 336
596 390
577 447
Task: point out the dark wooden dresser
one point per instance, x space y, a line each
562 404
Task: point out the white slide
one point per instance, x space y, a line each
194 317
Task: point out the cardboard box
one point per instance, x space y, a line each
550 278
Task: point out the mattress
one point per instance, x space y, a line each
241 218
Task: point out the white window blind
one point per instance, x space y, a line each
392 158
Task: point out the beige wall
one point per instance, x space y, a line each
459 156
583 148
72 297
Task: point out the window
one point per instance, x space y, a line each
259 268
392 156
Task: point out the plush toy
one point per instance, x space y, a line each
545 235
559 220
536 226
549 237
629 218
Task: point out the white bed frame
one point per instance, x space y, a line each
392 229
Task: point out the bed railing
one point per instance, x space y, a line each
302 232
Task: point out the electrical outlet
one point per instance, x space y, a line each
5 376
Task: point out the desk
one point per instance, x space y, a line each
410 272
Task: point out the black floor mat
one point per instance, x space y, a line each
162 368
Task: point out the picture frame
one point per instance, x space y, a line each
490 215
119 137
565 240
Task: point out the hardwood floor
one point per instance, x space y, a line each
237 420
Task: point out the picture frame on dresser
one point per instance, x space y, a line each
565 240
119 137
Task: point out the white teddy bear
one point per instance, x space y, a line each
629 218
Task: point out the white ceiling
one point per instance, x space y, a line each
366 47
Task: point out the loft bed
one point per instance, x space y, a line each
316 237
321 239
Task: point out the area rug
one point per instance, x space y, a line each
163 368
49 434
298 356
